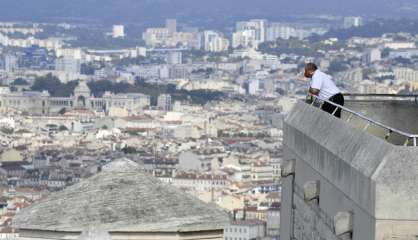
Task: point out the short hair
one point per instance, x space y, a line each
311 66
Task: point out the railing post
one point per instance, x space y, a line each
367 126
349 117
335 110
388 135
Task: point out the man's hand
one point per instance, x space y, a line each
314 91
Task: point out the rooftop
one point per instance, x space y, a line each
122 198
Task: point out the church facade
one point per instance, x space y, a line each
41 103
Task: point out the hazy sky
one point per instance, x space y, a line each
199 10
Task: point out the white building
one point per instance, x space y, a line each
258 25
118 31
278 30
156 36
245 229
171 25
400 45
372 55
41 103
406 74
174 57
350 22
164 102
10 63
214 41
244 39
254 87
71 67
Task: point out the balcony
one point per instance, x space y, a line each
390 117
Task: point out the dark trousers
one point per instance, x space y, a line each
337 99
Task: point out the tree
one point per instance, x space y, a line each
129 150
20 81
62 128
62 111
7 130
54 86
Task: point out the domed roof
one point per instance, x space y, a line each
121 198
82 88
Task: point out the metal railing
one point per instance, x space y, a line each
377 97
409 138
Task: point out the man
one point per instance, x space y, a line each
323 87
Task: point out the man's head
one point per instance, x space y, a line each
310 69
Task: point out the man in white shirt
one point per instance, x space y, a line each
323 87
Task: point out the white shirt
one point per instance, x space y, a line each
323 82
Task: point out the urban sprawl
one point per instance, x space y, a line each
199 109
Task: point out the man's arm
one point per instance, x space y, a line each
314 91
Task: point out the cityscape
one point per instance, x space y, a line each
175 130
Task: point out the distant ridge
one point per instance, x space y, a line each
200 11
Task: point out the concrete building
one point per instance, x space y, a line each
244 39
171 25
273 221
121 202
41 103
10 63
400 45
245 229
154 37
405 75
278 30
350 22
259 26
350 178
174 57
372 55
118 31
69 66
254 87
214 41
164 102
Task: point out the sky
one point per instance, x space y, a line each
138 11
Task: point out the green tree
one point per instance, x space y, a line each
19 82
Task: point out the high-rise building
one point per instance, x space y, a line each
10 63
253 87
258 25
244 39
278 30
67 65
214 41
164 102
118 31
156 36
174 57
350 22
372 55
171 25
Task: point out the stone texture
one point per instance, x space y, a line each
122 198
358 172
